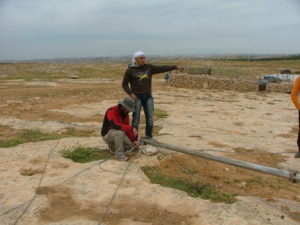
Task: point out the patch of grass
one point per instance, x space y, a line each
257 180
189 171
161 114
215 177
237 181
53 71
29 136
35 135
10 143
231 68
227 181
84 155
197 189
71 132
30 76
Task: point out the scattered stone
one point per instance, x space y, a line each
242 184
30 171
150 150
3 105
226 169
14 102
72 76
41 83
160 157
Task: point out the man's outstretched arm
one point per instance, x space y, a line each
162 69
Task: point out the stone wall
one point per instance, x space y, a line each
224 83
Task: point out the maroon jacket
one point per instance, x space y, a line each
115 119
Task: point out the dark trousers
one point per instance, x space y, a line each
298 141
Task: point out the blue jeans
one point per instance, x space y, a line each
145 101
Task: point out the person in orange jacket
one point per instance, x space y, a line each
295 98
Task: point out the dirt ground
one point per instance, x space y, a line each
34 103
260 128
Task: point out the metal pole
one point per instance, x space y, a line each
293 176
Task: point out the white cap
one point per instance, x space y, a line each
137 54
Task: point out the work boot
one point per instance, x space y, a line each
121 157
297 155
111 148
133 149
147 137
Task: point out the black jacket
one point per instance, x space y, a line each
140 78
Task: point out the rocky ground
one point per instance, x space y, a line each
260 128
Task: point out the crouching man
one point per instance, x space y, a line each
116 130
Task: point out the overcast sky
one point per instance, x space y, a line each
31 29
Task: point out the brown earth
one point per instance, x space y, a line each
33 103
61 203
6 132
232 179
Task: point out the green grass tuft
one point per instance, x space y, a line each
35 135
161 114
200 190
84 155
29 136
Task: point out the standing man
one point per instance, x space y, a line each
295 98
116 130
139 76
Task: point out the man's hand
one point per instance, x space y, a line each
135 132
180 68
133 96
136 143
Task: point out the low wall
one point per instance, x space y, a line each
222 83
